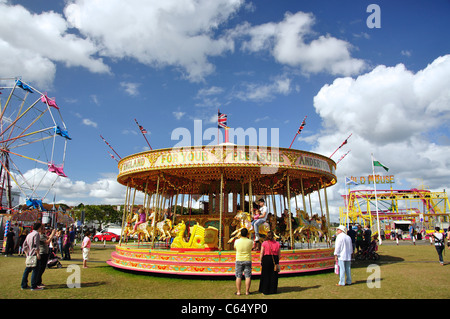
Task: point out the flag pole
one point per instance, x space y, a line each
345 142
298 131
218 129
140 129
376 202
110 147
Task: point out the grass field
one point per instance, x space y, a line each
406 272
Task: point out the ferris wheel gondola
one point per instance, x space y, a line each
33 143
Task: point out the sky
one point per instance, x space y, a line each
376 70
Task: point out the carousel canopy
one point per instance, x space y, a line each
198 170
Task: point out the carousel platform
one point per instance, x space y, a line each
186 262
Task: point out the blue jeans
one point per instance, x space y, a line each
34 277
344 270
256 225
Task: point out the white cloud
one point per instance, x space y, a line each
105 190
264 92
392 113
89 122
130 88
159 33
288 42
178 114
30 44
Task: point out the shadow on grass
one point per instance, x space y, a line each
384 259
295 289
83 285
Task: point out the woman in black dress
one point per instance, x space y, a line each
270 256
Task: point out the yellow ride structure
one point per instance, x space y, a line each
416 205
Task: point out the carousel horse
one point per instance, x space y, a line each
243 220
309 227
196 239
142 229
164 228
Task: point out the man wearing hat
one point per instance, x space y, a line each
343 250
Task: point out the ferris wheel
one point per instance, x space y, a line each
33 144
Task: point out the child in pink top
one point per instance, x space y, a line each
86 247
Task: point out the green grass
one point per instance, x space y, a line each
407 272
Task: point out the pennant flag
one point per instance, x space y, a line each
62 133
110 147
302 126
143 131
222 120
342 157
349 181
58 170
24 86
49 101
343 143
377 163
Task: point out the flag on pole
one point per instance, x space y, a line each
377 163
343 143
349 181
222 120
143 130
302 126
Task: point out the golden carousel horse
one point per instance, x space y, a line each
199 237
244 220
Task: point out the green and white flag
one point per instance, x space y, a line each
376 163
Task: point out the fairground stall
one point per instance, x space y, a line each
227 179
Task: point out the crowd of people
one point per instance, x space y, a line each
38 244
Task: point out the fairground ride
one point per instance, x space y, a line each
33 143
417 206
202 244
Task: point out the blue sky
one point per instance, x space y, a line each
267 64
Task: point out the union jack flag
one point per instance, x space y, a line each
143 130
222 120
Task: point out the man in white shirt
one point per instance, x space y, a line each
343 255
262 217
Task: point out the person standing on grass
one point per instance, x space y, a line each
44 242
31 248
66 245
343 255
243 248
438 238
270 258
86 247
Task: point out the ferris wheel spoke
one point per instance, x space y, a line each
13 139
12 177
18 116
30 142
24 156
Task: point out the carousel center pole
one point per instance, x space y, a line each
220 211
289 214
155 213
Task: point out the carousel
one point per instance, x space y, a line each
171 239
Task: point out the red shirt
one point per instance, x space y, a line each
271 247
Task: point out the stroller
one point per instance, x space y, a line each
370 252
53 260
